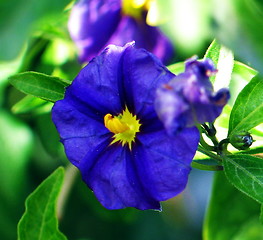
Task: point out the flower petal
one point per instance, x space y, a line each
113 179
145 36
143 73
96 90
91 24
77 130
188 99
163 162
171 108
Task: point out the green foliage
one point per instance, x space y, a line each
239 216
39 220
33 34
247 111
186 23
16 144
40 85
31 104
243 34
19 18
213 51
245 172
13 157
261 215
224 61
176 68
241 75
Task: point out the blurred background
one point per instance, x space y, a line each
34 36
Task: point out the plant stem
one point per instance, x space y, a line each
209 154
70 176
201 166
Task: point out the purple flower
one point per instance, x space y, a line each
111 132
188 99
94 24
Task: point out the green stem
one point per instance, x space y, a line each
202 141
206 167
205 144
70 176
210 132
222 145
209 154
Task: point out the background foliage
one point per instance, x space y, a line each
34 39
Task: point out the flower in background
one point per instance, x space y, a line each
94 24
111 132
189 99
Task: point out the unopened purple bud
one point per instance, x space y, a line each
189 98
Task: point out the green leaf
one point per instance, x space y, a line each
213 51
247 111
40 85
39 220
229 212
245 172
224 61
244 71
177 68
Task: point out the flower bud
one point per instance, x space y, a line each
242 140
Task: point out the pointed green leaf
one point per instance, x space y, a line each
245 71
224 60
247 111
40 85
245 172
39 220
238 209
213 51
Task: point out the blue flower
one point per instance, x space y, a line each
94 24
189 99
111 132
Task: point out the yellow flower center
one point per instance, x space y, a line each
124 126
134 8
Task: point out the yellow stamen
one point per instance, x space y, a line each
114 124
124 126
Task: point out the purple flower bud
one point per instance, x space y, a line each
189 98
